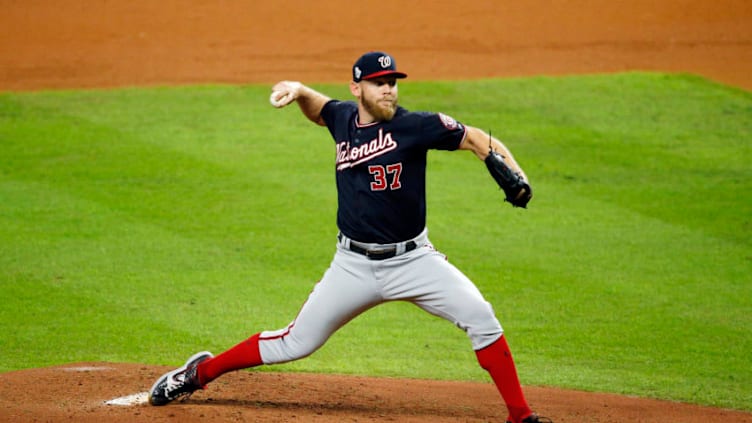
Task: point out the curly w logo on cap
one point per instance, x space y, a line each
375 64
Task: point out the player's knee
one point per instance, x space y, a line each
483 328
303 350
485 336
289 348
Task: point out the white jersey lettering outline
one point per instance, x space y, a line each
349 157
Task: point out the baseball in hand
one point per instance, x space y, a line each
279 98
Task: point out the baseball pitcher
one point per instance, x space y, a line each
383 252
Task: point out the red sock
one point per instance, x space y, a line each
242 356
497 360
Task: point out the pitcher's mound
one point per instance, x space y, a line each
111 392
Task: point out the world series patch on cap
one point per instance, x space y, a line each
375 64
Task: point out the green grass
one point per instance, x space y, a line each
142 225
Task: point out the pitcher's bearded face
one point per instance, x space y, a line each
379 98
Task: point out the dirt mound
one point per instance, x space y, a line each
51 44
95 392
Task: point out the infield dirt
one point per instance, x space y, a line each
84 44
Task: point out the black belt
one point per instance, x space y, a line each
381 253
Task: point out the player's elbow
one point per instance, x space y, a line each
476 141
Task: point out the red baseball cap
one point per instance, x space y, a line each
375 64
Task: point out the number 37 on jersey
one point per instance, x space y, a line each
386 176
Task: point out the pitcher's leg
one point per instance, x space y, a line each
338 298
497 360
344 292
436 286
242 356
448 293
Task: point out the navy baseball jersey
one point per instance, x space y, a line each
381 167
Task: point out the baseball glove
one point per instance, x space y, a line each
515 188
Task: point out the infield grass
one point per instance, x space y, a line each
143 225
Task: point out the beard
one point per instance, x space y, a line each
380 110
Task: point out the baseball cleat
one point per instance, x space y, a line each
534 418
180 382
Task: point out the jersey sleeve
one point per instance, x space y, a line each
444 132
329 109
336 112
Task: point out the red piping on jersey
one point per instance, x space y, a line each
363 125
285 333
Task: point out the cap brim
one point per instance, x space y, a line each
385 73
